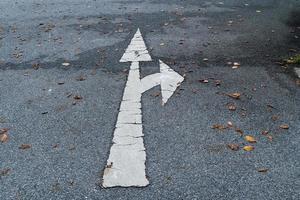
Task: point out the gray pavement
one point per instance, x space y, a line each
186 159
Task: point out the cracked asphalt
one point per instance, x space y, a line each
67 113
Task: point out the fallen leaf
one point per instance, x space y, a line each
270 138
4 135
265 132
218 126
248 148
239 131
235 95
263 170
284 126
77 97
25 146
250 139
233 147
231 107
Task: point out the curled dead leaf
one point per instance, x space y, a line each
248 148
239 131
250 139
218 126
4 135
262 170
284 126
233 147
234 95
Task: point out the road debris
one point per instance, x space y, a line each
248 148
250 139
4 135
233 147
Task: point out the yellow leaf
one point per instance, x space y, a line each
248 148
250 139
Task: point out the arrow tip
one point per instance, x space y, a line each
136 50
170 80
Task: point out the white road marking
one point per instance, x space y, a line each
126 163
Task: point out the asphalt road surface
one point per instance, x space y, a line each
61 87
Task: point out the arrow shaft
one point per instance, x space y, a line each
126 162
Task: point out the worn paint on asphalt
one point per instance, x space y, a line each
126 163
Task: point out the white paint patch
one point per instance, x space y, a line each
297 70
126 163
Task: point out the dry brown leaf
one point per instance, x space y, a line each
234 95
77 97
263 170
218 126
284 126
3 137
248 148
25 146
250 139
233 147
239 131
270 138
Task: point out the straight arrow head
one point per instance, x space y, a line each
170 80
136 50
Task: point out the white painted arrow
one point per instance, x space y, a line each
126 163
